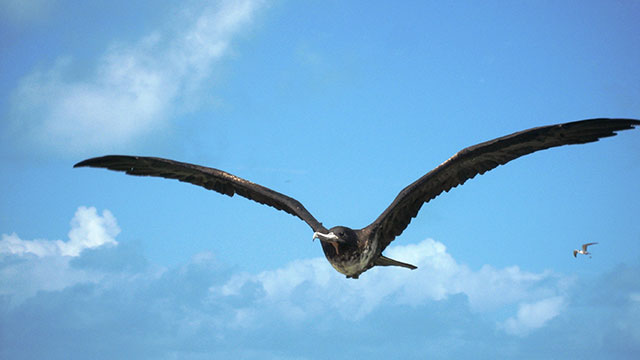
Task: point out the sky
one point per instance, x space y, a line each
339 104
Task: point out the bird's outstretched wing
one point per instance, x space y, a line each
209 178
483 157
584 246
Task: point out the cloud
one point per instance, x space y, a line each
533 316
108 300
30 266
134 89
88 230
24 12
439 276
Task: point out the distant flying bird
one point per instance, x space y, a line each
351 251
584 250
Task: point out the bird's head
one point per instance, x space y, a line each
338 235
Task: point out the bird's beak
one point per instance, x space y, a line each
326 237
331 238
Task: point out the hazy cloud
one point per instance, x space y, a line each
111 297
133 89
24 12
533 316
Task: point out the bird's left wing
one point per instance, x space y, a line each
209 178
483 157
584 246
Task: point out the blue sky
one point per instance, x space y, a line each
340 105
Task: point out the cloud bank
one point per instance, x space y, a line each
134 88
94 297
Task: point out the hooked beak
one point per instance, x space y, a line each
326 237
331 238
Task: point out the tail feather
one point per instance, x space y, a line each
385 261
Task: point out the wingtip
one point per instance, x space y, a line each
86 162
631 124
82 163
627 123
95 161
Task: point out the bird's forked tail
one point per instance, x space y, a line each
385 261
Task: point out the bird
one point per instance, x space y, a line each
354 251
584 250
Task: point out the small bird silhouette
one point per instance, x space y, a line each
584 250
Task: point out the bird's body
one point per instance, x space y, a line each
358 251
583 251
353 254
354 251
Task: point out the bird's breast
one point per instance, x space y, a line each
351 259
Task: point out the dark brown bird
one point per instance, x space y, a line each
353 252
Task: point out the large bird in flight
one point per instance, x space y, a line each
354 251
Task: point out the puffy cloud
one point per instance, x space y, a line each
134 88
111 297
439 276
30 266
88 230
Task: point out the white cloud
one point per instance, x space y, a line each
305 289
30 266
134 88
533 316
318 287
88 230
111 297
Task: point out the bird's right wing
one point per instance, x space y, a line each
209 178
584 246
483 157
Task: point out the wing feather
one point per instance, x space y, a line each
480 158
209 178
